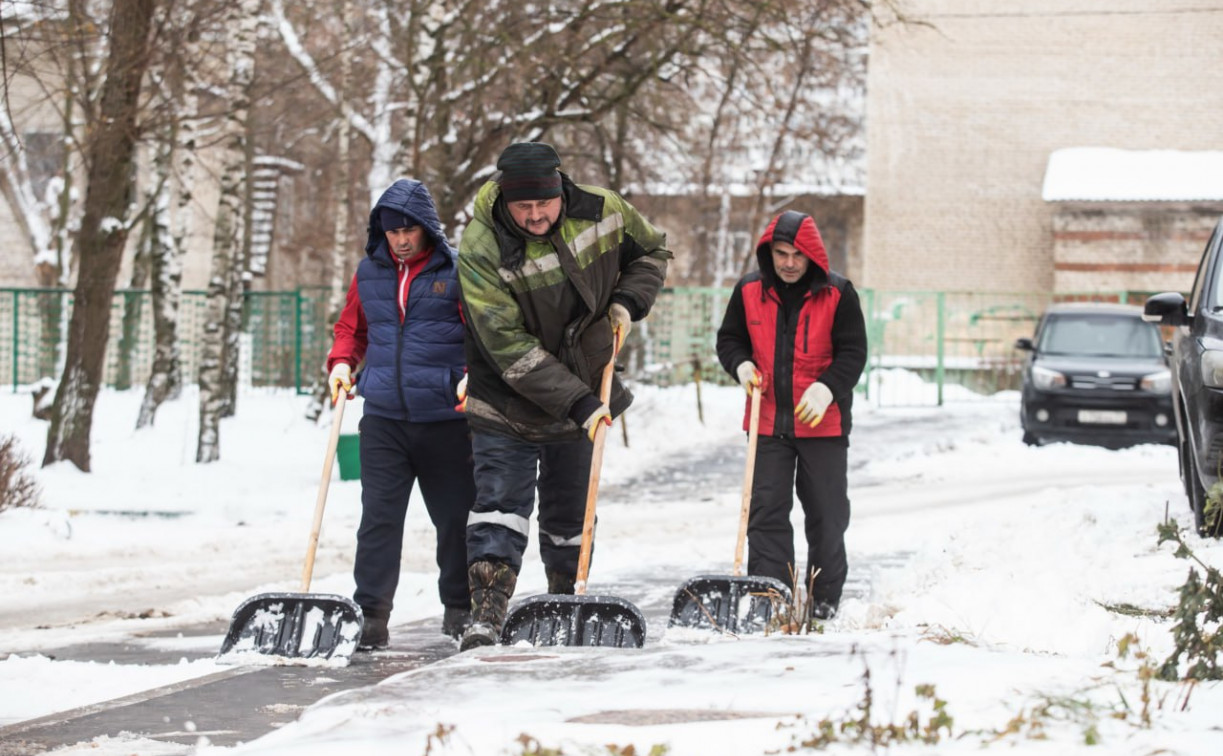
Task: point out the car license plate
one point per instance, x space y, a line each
1102 417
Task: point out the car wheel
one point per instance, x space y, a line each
1030 439
1193 487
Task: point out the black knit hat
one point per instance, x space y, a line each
529 172
391 219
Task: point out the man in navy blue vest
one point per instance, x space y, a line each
402 317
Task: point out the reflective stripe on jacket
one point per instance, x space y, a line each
536 307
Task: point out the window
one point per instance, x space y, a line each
1100 335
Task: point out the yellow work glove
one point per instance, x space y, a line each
748 375
461 392
621 322
340 378
813 404
591 424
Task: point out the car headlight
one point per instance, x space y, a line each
1157 383
1045 379
1212 368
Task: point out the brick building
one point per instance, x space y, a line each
838 217
969 101
1131 220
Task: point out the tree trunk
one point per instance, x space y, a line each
133 303
166 376
99 244
337 288
238 281
166 274
241 23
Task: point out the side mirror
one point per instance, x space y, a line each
1025 344
1167 309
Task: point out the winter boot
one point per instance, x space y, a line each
821 611
455 621
374 634
560 583
492 584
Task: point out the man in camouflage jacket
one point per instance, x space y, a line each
552 276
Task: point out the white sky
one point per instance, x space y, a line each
959 532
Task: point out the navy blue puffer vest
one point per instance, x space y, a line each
411 370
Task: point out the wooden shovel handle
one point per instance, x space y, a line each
592 490
745 506
332 442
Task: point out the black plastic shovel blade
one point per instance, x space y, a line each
731 603
556 619
295 626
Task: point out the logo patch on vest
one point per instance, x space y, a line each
439 287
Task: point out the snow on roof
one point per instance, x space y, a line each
1105 174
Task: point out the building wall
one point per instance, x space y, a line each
34 117
16 263
963 113
839 219
1141 247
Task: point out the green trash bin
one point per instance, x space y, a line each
348 450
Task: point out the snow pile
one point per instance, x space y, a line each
1001 575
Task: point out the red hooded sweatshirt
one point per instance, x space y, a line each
821 336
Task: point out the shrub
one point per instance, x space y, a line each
17 488
1198 631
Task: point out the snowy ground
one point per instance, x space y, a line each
983 568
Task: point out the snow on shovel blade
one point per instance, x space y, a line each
733 604
555 619
294 626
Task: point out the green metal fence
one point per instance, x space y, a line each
925 347
935 347
285 336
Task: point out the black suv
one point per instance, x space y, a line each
1096 374
1197 377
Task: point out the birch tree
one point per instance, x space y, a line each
240 22
165 290
99 245
181 86
341 254
451 83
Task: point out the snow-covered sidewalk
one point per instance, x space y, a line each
987 570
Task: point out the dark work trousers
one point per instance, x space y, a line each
823 492
395 455
506 484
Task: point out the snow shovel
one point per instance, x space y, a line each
299 625
555 619
733 603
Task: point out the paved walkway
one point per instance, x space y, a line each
228 707
244 703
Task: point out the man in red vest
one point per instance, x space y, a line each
795 329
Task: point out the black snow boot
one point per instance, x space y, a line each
822 611
455 621
492 584
560 582
374 634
